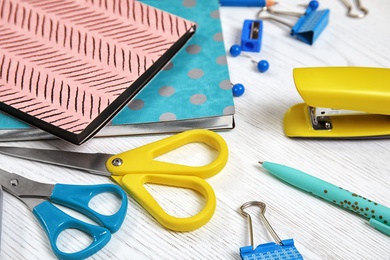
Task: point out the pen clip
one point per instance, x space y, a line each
380 226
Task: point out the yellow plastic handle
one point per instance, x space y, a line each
134 185
141 160
134 168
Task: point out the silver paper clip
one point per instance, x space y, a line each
309 26
282 249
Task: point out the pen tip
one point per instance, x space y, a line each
260 162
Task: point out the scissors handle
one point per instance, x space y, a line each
77 197
141 159
134 185
54 221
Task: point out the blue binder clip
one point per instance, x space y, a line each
282 249
251 35
309 25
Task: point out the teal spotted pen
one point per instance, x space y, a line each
378 215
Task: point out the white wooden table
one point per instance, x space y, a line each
320 230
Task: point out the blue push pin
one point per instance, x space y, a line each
314 5
235 50
262 65
238 90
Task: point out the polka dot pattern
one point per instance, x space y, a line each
198 99
168 66
167 117
225 84
218 37
215 14
195 83
195 73
186 3
221 60
166 91
362 206
351 201
136 104
193 49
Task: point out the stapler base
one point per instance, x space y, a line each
298 123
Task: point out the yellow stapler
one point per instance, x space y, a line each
340 102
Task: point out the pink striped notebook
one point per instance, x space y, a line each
69 66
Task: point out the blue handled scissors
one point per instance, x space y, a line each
133 168
39 197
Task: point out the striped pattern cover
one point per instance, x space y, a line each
64 62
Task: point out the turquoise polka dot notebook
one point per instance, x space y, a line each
192 91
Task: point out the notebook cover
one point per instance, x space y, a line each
69 66
195 84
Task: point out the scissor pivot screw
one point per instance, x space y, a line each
14 182
117 162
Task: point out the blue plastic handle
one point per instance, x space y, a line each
77 197
54 221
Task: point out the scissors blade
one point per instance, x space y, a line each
28 191
22 187
90 162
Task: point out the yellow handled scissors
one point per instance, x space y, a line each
134 168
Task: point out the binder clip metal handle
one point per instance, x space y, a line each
261 205
273 19
312 6
281 250
263 17
350 13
